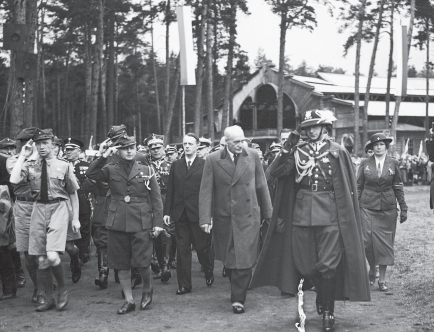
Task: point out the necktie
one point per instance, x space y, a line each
379 170
189 164
235 158
44 181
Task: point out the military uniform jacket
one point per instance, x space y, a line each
162 169
80 169
380 193
135 198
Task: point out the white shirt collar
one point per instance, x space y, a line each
230 154
381 161
191 160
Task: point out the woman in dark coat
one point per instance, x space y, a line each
379 187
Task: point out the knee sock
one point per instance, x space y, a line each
32 268
58 275
145 273
125 281
46 279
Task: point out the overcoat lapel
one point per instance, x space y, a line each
242 164
121 171
373 168
194 167
226 162
183 166
386 167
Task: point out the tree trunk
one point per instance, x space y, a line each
167 83
357 74
139 113
58 107
371 71
154 67
228 78
110 64
175 87
88 64
410 28
209 72
427 98
17 107
283 27
32 20
116 115
199 73
104 125
66 109
389 69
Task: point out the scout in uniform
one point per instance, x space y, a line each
22 210
163 244
204 147
316 224
54 185
135 214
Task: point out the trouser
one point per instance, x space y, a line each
187 234
240 280
7 272
83 244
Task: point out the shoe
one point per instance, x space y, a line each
224 273
319 303
35 296
209 279
382 286
238 308
7 296
40 300
21 278
183 291
165 276
146 299
47 305
62 300
126 308
328 322
76 272
158 275
173 265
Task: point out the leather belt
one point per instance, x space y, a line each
316 187
130 199
51 201
379 189
25 199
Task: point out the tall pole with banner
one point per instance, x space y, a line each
187 56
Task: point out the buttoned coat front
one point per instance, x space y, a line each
236 197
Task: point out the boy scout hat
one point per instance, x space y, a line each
171 149
7 142
117 131
58 141
154 141
27 133
378 137
317 117
73 143
125 141
41 134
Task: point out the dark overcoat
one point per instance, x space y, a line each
276 264
236 198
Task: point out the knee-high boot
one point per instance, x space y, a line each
317 282
328 293
102 280
167 247
19 271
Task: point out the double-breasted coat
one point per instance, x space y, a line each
236 198
378 210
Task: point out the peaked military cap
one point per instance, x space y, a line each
317 117
58 141
41 134
275 147
204 143
154 141
73 143
7 142
378 137
27 133
171 149
125 141
117 131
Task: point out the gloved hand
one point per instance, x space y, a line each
292 140
403 216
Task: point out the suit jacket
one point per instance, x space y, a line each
380 193
237 199
143 209
183 187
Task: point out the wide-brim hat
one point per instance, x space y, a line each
378 137
317 117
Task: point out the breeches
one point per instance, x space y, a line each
99 235
317 250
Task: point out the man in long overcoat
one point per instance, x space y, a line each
315 231
234 195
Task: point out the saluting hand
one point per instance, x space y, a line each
75 225
293 139
403 216
111 150
27 149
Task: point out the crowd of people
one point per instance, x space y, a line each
305 210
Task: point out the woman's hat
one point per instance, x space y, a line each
378 137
